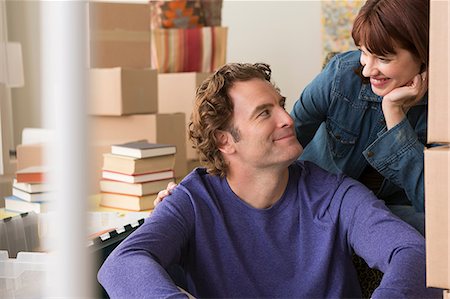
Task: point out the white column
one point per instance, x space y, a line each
64 100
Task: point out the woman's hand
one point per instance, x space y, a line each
164 193
396 103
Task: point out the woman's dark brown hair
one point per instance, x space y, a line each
383 25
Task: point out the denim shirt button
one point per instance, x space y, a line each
370 154
338 137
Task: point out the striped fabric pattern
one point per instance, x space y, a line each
189 50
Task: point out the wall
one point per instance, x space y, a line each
284 34
23 27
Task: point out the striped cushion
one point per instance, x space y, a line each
189 50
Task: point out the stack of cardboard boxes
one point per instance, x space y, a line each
437 159
123 90
180 99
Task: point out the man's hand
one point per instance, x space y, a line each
396 103
163 193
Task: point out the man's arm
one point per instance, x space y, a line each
136 275
136 268
386 243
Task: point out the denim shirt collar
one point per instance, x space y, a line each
367 94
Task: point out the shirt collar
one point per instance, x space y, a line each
367 94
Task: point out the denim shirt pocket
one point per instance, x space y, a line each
340 140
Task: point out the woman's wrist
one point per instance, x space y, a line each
393 114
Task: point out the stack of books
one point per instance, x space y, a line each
134 172
30 192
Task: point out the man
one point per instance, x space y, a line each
258 223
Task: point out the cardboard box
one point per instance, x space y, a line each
120 91
437 214
6 181
192 164
439 94
119 48
30 155
158 128
119 35
119 16
180 99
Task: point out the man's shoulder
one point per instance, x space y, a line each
324 181
194 189
200 182
334 195
196 177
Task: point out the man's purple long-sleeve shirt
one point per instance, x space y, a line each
300 247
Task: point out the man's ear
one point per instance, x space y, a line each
224 142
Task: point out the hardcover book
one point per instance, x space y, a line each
13 203
31 187
143 149
127 202
131 165
137 189
140 178
32 174
32 197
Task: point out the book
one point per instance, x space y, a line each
32 174
139 178
31 187
127 202
143 149
131 165
13 203
138 189
32 197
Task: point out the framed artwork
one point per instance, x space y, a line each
337 21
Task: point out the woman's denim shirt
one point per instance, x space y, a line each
340 123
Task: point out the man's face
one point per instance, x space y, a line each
266 132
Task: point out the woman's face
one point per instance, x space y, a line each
389 72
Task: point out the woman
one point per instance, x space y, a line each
365 113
